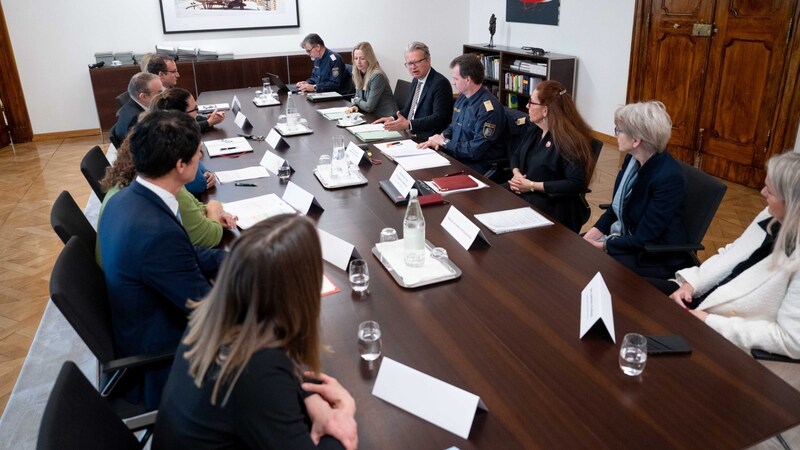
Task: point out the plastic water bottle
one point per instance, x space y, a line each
414 233
267 91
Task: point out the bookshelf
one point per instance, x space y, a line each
512 73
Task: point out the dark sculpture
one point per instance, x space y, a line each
492 29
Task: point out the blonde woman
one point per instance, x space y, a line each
373 93
237 379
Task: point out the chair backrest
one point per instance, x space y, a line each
68 220
122 99
77 417
518 128
93 167
78 289
402 92
704 194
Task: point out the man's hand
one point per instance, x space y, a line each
399 124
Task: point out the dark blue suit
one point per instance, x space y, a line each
330 74
476 132
653 215
435 106
127 117
151 270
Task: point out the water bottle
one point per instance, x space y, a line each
291 112
267 91
414 233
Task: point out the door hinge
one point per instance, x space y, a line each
648 21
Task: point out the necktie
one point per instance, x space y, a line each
414 102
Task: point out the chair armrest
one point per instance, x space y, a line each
138 360
767 356
605 205
666 248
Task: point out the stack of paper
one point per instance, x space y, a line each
253 210
126 58
247 173
333 113
370 133
187 54
206 55
165 50
512 220
406 154
228 146
104 57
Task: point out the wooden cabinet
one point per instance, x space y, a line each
201 76
511 83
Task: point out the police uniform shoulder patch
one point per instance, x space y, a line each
333 57
335 72
521 121
456 109
488 130
488 105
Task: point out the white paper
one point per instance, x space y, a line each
401 181
335 250
298 197
271 161
596 305
423 161
460 227
406 147
512 220
333 113
393 253
247 173
274 138
266 101
240 119
354 153
368 127
227 146
253 210
428 398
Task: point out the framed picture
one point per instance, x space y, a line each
544 12
183 16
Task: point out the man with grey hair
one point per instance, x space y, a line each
141 89
329 73
429 108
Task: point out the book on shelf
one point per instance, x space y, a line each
529 67
511 101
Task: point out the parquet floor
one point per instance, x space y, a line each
31 181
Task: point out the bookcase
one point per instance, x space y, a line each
512 73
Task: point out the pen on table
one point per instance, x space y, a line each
246 184
227 148
392 144
460 172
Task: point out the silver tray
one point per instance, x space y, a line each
361 179
297 132
455 271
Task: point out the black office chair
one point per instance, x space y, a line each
77 417
516 130
93 167
68 220
402 92
78 289
122 99
767 356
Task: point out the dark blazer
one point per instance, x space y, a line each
127 116
435 107
654 211
151 269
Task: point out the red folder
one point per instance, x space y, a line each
454 182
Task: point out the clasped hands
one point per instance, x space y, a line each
520 183
332 411
306 87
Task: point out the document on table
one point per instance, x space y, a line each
253 210
333 113
373 132
481 185
513 220
247 173
227 146
406 154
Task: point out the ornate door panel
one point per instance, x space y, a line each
743 85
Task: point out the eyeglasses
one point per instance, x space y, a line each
192 110
308 50
617 131
414 63
531 102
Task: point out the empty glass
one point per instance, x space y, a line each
439 253
369 340
267 92
282 121
633 354
338 158
284 172
324 165
359 275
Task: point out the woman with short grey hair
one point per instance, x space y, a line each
649 195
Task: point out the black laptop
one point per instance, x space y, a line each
276 80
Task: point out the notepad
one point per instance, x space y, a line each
253 210
333 113
246 173
373 132
454 182
230 146
513 220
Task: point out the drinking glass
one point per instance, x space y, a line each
387 235
324 165
359 275
633 354
369 340
439 253
282 121
338 158
267 89
284 172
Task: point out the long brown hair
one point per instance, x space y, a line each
122 172
572 135
267 295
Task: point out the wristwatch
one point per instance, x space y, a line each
445 142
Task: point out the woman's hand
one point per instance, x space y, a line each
228 220
330 390
683 295
332 411
211 180
593 234
214 210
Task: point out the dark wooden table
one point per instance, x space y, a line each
507 330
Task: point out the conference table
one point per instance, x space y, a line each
507 330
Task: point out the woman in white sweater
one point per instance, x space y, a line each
750 291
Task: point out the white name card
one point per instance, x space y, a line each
275 140
354 153
236 105
401 181
440 403
241 121
299 198
271 161
335 250
462 229
596 307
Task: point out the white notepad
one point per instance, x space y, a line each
513 220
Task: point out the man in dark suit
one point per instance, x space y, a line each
150 266
430 107
141 89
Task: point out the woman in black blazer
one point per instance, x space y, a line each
237 379
649 195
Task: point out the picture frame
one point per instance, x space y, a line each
186 16
543 12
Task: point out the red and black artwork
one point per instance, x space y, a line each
544 12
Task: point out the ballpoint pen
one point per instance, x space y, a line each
392 144
227 148
460 172
246 184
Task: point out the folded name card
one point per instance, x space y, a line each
426 397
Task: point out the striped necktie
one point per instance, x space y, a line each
414 103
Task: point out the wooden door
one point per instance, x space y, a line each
743 87
4 136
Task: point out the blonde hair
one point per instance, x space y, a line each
783 172
373 66
646 121
267 295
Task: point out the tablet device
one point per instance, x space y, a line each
670 344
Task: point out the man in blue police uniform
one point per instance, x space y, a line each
474 135
330 72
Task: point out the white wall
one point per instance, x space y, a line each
597 32
54 40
